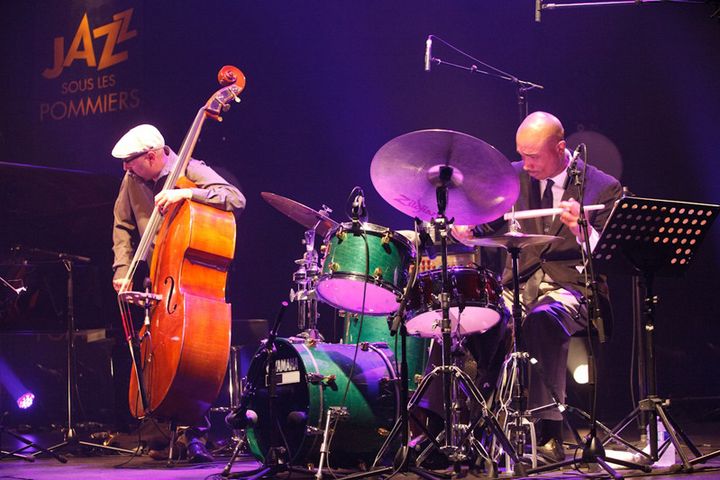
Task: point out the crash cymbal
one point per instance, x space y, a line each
305 216
406 172
509 240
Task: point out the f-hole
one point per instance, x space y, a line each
170 309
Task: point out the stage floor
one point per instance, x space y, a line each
91 464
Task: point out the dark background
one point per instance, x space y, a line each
328 83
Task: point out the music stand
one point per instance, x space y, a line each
646 238
71 438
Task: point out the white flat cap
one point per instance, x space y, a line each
138 140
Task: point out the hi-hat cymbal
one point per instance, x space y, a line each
509 240
482 184
305 216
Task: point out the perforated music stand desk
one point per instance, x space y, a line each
649 237
652 236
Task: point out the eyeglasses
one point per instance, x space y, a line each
134 157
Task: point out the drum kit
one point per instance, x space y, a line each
352 394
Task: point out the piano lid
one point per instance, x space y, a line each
56 209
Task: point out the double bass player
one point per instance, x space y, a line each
147 161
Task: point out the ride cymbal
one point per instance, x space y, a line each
482 185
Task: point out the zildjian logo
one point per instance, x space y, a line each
416 205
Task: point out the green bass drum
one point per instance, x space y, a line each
311 378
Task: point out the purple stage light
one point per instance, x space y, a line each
25 400
14 386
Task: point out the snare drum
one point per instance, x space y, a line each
349 275
310 379
458 255
476 302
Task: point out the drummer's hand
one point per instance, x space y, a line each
462 233
570 217
164 199
119 283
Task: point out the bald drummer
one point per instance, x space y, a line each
551 283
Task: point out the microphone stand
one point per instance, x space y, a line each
593 451
522 87
276 461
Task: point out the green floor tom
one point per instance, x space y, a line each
375 329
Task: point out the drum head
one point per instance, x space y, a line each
475 302
350 292
471 320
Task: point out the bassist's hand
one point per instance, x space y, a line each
166 198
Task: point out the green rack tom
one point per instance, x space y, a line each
351 278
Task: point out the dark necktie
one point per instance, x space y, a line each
547 202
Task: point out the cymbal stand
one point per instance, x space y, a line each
71 439
305 277
519 424
452 376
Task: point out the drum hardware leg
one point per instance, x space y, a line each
306 277
236 442
173 439
28 444
651 408
236 451
335 413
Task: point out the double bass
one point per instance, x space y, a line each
180 354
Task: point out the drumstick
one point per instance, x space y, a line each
544 212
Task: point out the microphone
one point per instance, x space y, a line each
428 53
240 420
357 211
358 206
572 170
297 418
538 10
